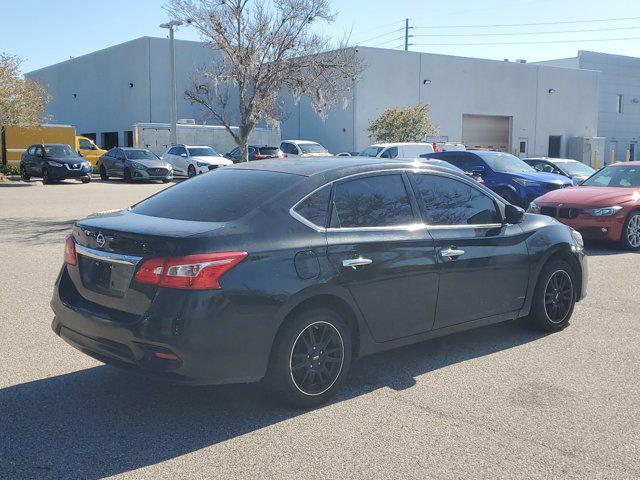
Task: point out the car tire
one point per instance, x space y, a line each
509 196
166 180
317 338
86 179
23 174
554 297
46 177
103 173
630 238
191 171
127 175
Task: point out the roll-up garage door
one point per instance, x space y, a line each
488 132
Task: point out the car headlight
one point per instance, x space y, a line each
577 238
138 166
604 211
54 164
533 208
202 164
87 164
527 183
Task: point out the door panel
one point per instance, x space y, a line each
397 291
489 278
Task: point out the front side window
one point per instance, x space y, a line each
312 148
372 201
464 162
203 152
85 144
370 152
314 208
288 148
446 201
31 151
391 152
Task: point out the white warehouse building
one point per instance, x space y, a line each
509 106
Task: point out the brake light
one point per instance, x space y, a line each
70 256
281 154
260 156
191 272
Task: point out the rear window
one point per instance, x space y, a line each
219 196
268 150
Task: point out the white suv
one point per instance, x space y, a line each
191 160
303 148
397 150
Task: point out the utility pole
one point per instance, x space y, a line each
174 104
406 34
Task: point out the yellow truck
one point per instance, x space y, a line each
16 139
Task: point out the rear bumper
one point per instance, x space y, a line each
212 347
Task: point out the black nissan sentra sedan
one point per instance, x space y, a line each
287 270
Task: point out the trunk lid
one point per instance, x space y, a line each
111 247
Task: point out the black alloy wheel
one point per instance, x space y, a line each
103 173
316 359
310 358
558 296
23 174
127 175
191 171
554 296
46 177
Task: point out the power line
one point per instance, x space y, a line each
386 42
530 24
522 33
525 43
381 35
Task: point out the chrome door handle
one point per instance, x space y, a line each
356 262
451 253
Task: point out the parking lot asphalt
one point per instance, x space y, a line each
498 402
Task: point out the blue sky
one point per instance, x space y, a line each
44 32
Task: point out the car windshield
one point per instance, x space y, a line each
140 155
59 151
312 148
203 152
505 163
575 168
371 151
615 176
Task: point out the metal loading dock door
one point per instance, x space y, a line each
486 132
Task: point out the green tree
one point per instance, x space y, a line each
409 124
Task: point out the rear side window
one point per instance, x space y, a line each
314 208
268 150
220 196
373 201
447 201
463 161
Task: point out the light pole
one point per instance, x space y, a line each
172 53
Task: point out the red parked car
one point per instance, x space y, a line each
605 206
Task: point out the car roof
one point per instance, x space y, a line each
623 164
132 148
49 144
550 159
299 141
335 167
398 144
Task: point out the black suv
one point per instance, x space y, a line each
54 162
289 269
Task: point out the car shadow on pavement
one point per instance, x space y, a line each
102 421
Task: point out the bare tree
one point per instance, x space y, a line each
22 101
261 49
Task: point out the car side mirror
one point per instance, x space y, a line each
513 214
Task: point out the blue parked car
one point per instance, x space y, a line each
508 176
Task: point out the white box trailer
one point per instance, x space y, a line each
588 150
156 136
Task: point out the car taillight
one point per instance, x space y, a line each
191 272
260 156
70 257
281 154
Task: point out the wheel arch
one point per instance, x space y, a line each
332 302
